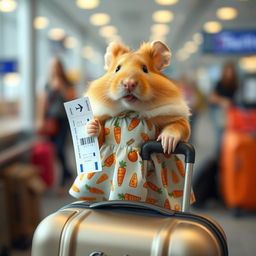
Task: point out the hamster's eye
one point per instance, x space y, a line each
144 68
118 68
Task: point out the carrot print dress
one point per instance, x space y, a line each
123 176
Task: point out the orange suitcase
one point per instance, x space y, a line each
238 170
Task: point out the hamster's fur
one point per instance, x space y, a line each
134 82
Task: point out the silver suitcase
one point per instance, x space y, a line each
126 228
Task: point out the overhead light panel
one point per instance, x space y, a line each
162 16
56 34
226 13
87 52
70 42
108 31
190 47
8 5
160 29
87 4
11 79
99 19
212 27
166 2
248 64
198 39
40 22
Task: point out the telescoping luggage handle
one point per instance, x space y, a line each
182 148
155 147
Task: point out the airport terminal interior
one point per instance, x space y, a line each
51 51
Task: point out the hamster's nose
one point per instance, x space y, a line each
129 84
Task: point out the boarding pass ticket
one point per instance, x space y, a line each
86 147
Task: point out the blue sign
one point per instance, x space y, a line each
8 66
230 42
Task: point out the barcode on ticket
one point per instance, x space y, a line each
87 140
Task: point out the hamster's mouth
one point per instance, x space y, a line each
130 98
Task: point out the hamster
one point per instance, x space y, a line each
134 102
134 82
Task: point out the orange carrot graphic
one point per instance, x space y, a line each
90 175
133 181
180 166
151 200
110 160
144 136
102 178
129 197
192 197
167 204
133 156
121 173
117 132
158 159
149 125
88 198
112 186
75 188
164 175
106 131
145 185
81 176
154 187
133 124
150 172
176 193
176 207
94 190
168 155
175 177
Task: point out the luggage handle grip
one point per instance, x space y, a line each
131 204
183 148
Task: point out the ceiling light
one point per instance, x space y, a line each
248 64
162 16
190 47
87 4
226 13
182 55
108 31
159 29
87 52
7 5
99 19
56 34
198 39
11 79
40 22
70 42
212 27
166 2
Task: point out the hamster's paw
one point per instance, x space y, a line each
93 128
169 141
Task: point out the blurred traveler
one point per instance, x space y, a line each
51 119
195 100
222 98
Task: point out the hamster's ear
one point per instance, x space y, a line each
161 55
113 50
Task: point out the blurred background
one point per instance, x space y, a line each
51 49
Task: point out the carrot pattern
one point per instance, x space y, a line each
180 166
102 178
121 173
176 207
75 188
133 181
133 156
149 124
144 136
151 200
133 124
167 204
94 190
176 193
110 160
127 196
154 187
90 175
117 133
106 131
112 186
175 177
81 176
164 175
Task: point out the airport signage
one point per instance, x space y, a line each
230 42
8 66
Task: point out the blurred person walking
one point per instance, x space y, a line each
51 119
222 98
